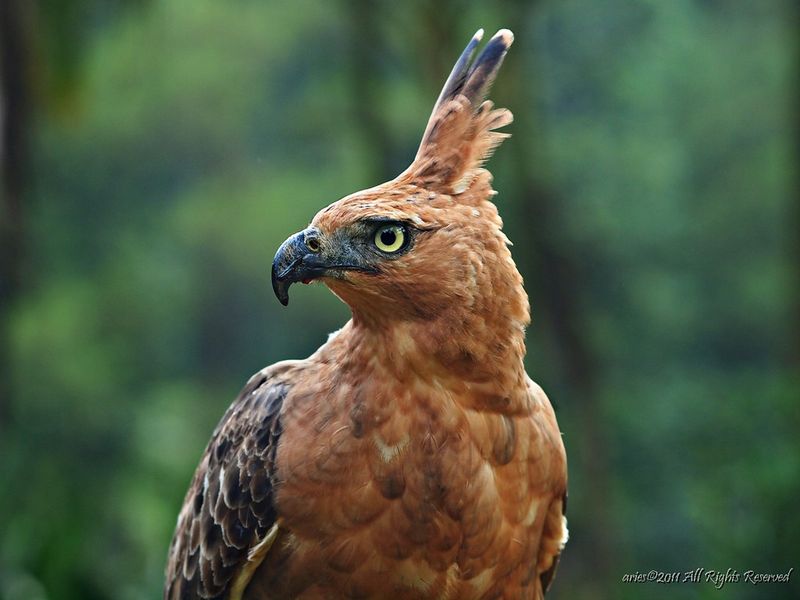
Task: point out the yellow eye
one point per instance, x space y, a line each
390 238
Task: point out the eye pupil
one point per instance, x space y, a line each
388 237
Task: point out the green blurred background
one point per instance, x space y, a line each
155 154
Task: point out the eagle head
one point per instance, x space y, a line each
430 239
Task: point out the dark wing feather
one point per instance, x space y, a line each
229 506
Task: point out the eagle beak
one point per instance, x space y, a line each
308 255
295 261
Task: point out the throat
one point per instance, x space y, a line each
476 355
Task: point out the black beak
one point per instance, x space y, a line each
308 255
294 262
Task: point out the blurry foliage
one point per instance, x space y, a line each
200 134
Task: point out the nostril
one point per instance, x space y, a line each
312 243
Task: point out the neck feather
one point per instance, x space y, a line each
476 352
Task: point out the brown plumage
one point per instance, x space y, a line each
410 456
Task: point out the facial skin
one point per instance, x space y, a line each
362 246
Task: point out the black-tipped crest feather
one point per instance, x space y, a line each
460 134
458 76
483 71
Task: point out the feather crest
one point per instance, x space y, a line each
460 135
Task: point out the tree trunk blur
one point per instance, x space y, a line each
367 45
439 43
14 120
795 350
559 284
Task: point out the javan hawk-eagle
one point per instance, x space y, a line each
410 456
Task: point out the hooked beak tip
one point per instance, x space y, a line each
281 288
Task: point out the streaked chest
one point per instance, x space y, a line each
398 485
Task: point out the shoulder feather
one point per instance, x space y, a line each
229 507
